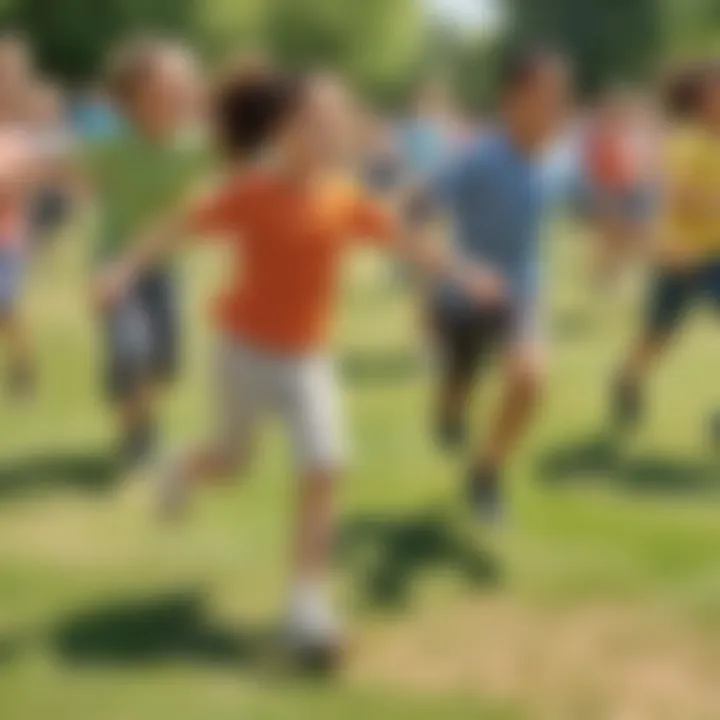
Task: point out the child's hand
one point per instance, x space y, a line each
110 286
485 286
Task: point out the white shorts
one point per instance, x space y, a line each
252 384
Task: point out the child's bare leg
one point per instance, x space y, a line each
191 470
20 359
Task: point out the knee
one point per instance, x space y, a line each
217 464
528 379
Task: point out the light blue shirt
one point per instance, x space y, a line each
424 146
498 200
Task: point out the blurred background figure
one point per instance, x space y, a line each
427 136
19 172
619 158
93 115
50 131
16 77
381 160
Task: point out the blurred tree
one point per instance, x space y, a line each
692 27
376 43
71 37
610 41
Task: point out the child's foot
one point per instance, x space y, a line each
21 381
485 494
138 448
172 491
450 432
313 634
627 404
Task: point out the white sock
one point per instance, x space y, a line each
311 616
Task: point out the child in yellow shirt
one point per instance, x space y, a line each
688 266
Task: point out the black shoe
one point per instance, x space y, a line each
627 405
451 433
138 448
485 493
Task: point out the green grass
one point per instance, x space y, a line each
602 601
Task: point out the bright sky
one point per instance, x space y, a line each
476 13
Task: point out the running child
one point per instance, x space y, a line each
498 195
137 175
19 172
49 131
619 178
289 218
687 271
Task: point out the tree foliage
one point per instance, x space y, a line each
376 42
610 41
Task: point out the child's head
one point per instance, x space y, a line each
535 92
155 84
309 121
693 94
16 70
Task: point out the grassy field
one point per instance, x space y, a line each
602 602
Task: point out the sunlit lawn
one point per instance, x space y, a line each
602 601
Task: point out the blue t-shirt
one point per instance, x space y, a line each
498 200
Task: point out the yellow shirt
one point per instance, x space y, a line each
693 164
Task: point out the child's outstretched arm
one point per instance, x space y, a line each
155 244
412 237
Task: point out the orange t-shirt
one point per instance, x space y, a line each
288 242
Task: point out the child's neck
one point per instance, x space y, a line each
300 175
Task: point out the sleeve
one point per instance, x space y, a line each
219 213
372 223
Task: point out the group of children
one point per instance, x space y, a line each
282 152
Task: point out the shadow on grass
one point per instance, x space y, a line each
601 459
386 554
380 365
93 472
150 630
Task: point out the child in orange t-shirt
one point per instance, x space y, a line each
289 218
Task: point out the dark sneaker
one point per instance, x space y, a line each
451 433
627 405
138 448
486 496
21 381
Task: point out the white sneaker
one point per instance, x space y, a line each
313 633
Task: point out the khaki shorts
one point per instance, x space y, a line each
252 384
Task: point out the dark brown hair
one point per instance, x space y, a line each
685 89
251 103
